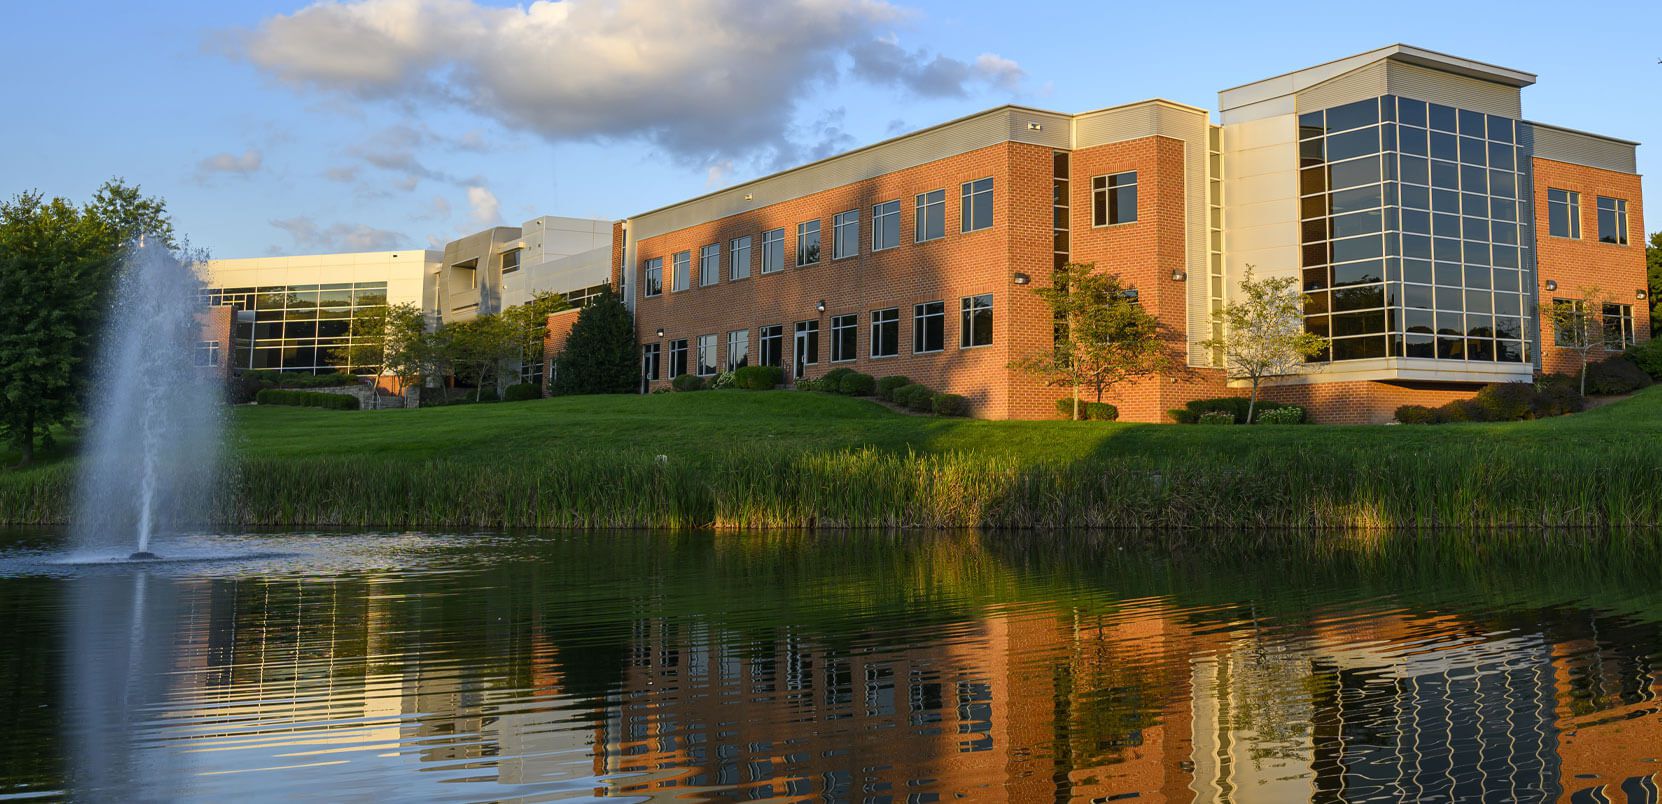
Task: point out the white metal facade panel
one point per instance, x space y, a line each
1459 91
1367 82
1578 148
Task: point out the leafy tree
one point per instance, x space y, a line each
1578 326
478 349
1263 332
132 215
1104 336
1653 276
530 321
599 355
393 338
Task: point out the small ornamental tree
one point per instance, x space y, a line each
599 354
1263 332
530 324
1103 336
479 348
390 338
1578 326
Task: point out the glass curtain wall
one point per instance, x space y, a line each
302 328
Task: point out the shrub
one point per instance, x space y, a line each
722 380
758 378
806 384
835 376
856 384
307 399
888 385
903 395
1616 375
522 392
1508 401
1648 357
922 401
1559 394
1462 410
1287 415
1233 405
687 382
951 405
1101 412
1416 414
1215 417
246 385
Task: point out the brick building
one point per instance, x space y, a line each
1402 187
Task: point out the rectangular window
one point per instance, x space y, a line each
738 258
1612 220
1567 335
807 243
1564 213
510 260
773 251
928 327
807 342
683 271
1618 326
709 265
738 349
652 273
677 358
706 355
977 323
773 345
931 221
885 225
207 354
1114 199
885 332
844 337
649 361
977 210
845 234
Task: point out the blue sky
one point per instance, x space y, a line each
284 127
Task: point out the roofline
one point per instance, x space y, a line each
1565 129
394 252
1401 48
1008 107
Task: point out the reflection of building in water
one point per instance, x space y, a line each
1609 708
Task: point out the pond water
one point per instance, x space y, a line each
863 667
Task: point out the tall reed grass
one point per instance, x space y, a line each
1342 489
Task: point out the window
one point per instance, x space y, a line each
649 361
844 337
510 260
1114 199
773 251
928 327
773 345
709 265
931 222
677 358
683 271
807 342
653 283
1564 213
738 349
977 324
1618 326
207 353
1564 322
845 234
885 332
885 225
807 243
738 258
1612 220
977 212
706 355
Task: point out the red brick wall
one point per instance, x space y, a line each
1361 402
214 324
1617 271
554 340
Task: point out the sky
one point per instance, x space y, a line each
298 127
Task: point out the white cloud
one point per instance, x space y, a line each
229 164
344 174
308 236
486 210
704 80
718 173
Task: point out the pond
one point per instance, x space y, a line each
860 667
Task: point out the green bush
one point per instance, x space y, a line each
1508 401
888 385
522 392
1287 415
805 384
1560 394
306 399
1619 374
903 395
247 385
687 382
856 384
722 380
922 401
1088 411
951 405
1234 405
1416 414
1462 410
1648 356
834 377
1215 417
758 378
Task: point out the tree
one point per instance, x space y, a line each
599 355
1578 326
478 349
1104 337
1653 277
56 265
131 215
530 321
1263 332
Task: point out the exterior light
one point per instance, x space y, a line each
750 196
821 306
1552 284
1639 294
1179 276
1022 279
660 332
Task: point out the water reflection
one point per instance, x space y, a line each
855 668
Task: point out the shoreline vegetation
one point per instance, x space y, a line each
735 460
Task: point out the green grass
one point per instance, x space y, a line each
791 459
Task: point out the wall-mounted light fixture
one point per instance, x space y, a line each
660 332
1035 127
1179 276
1022 279
749 197
1552 284
821 306
1639 294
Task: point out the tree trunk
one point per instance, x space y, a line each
26 444
1076 401
1252 401
1584 359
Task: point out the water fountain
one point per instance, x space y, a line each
151 455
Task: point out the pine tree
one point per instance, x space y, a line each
599 355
